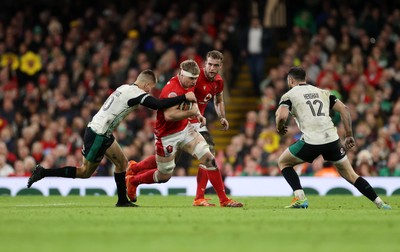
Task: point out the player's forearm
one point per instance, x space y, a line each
179 115
175 114
220 109
347 123
281 117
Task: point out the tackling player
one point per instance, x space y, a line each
99 139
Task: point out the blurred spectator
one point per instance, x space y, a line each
250 167
255 47
19 170
364 165
251 128
5 168
393 166
10 157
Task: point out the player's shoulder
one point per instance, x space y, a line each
130 88
218 78
170 89
171 83
321 91
124 86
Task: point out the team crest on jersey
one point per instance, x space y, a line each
342 152
169 149
204 87
172 94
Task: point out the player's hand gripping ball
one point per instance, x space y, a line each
185 105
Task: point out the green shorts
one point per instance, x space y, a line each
95 145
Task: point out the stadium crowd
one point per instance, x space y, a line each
354 51
59 63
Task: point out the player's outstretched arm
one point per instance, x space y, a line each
154 103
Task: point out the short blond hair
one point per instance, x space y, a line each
147 76
190 66
214 54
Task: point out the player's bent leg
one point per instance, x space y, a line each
215 178
131 168
165 168
116 156
86 170
135 168
201 179
161 174
40 172
347 172
286 163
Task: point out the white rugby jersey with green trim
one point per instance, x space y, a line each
115 109
310 107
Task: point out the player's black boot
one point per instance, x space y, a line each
125 204
36 175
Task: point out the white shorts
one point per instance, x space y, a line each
198 128
168 145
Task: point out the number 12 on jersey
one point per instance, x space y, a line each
317 104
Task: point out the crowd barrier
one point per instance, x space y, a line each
238 186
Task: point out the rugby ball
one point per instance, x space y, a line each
185 105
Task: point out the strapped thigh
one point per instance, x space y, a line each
166 167
201 149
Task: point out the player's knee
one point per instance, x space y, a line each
282 163
210 164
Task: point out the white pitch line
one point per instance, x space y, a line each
41 205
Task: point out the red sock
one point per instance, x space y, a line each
202 179
146 177
146 164
216 180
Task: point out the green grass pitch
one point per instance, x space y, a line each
170 223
